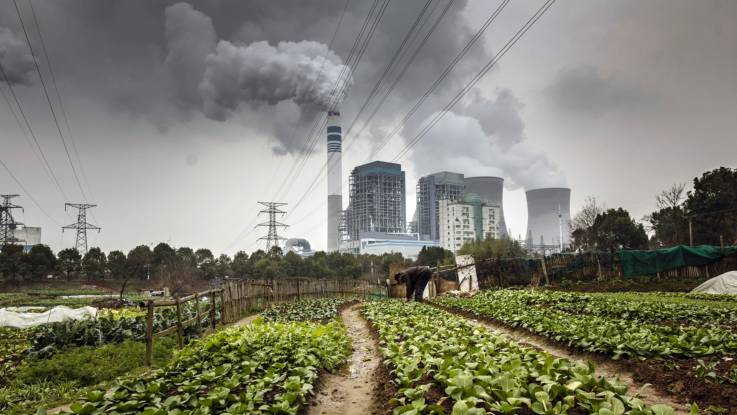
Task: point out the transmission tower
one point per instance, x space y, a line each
81 226
272 209
7 223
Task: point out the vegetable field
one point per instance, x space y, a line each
680 343
454 356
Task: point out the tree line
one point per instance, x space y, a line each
167 262
704 215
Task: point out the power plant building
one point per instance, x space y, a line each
431 189
467 221
491 191
28 236
335 184
376 200
548 219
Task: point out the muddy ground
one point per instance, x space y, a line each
352 390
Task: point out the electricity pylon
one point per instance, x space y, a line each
272 238
7 223
81 226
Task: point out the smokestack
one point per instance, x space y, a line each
491 191
548 216
335 166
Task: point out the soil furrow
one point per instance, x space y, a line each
351 391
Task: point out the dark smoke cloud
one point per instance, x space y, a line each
190 37
305 72
15 58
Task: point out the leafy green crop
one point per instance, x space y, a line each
260 368
619 337
481 371
107 328
322 309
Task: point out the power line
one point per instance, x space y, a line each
27 193
50 170
48 100
81 226
494 60
58 95
272 238
448 69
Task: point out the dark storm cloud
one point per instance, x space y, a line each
190 37
169 62
584 89
15 59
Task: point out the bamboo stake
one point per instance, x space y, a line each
149 332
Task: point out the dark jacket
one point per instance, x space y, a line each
414 277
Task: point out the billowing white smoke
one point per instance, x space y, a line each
15 58
461 143
305 72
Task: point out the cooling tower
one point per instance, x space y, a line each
490 190
335 166
543 223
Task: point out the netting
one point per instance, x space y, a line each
636 263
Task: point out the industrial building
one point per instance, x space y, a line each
491 191
376 200
299 246
335 184
28 236
467 221
548 219
378 243
430 190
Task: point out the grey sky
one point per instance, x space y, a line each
614 99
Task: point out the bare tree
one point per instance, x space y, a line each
581 224
585 217
671 197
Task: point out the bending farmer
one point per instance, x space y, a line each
415 279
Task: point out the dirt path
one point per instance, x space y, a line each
604 367
351 391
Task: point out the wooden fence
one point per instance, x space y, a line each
580 267
244 296
210 315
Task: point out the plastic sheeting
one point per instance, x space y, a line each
22 320
722 284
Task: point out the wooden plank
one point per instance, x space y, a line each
180 332
149 332
166 332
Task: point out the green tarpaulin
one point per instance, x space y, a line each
636 263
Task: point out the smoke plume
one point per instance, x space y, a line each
15 58
305 72
190 37
493 147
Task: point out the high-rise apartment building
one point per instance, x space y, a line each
466 221
431 189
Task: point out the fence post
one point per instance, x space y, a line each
299 294
179 324
212 311
197 306
149 332
222 307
